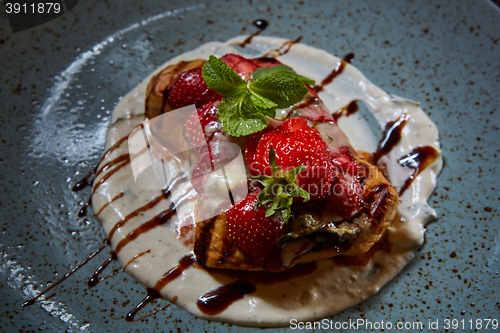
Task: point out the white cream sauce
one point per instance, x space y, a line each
330 288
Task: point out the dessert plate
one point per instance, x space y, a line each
62 80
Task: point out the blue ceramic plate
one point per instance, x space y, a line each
61 80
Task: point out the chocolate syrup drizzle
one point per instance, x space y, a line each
165 195
45 291
85 181
349 57
119 162
418 159
82 184
154 293
109 202
336 71
391 137
137 256
95 279
150 297
347 110
283 49
83 211
261 25
159 219
218 300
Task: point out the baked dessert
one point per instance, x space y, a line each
346 203
155 243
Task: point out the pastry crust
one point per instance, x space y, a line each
380 202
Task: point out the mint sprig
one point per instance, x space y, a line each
279 189
246 105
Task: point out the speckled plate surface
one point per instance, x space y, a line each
61 80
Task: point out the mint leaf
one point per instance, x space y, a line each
261 102
271 113
221 78
280 69
263 105
282 89
239 116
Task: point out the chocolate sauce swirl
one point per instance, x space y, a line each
391 137
418 159
218 300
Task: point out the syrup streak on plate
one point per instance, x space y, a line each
331 287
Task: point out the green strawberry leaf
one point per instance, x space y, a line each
272 161
264 180
279 189
221 78
265 196
285 213
291 175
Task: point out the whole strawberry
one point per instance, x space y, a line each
190 88
251 231
295 144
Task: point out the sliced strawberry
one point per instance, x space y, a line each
313 109
240 65
297 124
251 231
190 88
295 144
